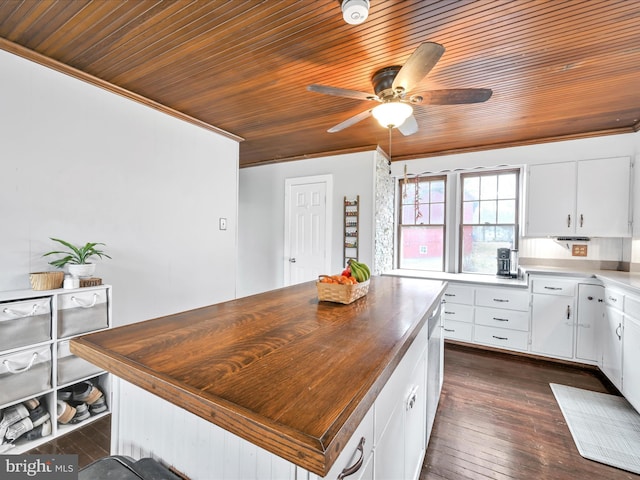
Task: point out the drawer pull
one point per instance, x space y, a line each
449 294
449 313
17 314
613 299
20 370
552 288
449 330
356 466
82 304
501 300
499 338
501 319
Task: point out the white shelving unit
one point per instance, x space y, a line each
35 360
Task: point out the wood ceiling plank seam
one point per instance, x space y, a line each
120 56
203 44
65 32
114 24
15 26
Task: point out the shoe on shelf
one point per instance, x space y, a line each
39 415
98 406
86 392
12 415
40 431
32 403
65 412
19 428
82 413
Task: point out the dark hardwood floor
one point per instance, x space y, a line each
497 419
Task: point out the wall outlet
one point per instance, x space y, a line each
578 250
223 223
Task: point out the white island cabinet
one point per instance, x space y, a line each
578 206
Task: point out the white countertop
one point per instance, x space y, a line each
630 280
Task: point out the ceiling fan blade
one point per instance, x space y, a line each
456 96
341 92
350 121
421 61
409 127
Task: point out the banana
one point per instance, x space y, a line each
360 271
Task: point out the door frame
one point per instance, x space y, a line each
288 184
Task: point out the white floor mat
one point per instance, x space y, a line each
605 428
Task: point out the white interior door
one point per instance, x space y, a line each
307 249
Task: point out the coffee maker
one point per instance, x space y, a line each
507 263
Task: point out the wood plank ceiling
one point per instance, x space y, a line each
558 69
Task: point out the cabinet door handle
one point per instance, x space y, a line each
568 312
501 319
501 300
411 399
569 221
356 466
618 330
500 338
581 220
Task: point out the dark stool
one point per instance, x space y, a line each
118 467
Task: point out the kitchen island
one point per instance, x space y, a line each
281 370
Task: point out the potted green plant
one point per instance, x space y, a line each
75 258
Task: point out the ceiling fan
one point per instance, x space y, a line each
392 85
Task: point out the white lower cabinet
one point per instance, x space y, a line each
631 361
553 316
611 337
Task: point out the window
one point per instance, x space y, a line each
489 218
421 222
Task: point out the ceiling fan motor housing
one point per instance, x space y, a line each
382 82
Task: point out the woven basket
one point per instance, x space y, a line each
334 292
46 280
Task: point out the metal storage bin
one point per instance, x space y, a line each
72 368
25 322
82 312
25 373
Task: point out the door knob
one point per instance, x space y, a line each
292 260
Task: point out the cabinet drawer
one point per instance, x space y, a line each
25 322
501 318
501 337
554 286
461 313
72 368
81 312
459 294
25 373
503 298
458 330
614 298
350 454
632 306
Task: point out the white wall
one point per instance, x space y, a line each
261 215
83 164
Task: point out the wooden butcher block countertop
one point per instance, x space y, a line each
288 373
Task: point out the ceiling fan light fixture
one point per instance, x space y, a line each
392 114
355 12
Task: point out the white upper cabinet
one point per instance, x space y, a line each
586 198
